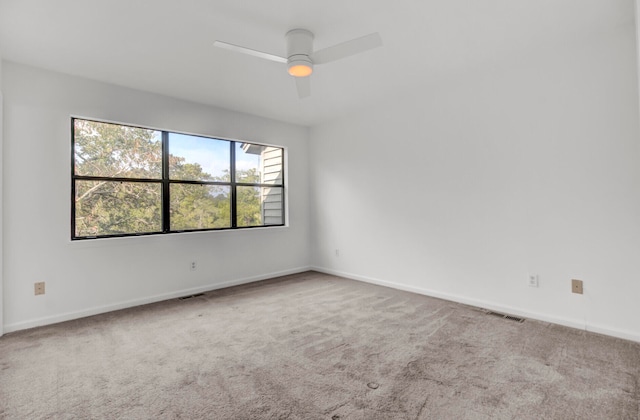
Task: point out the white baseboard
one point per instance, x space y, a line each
54 319
573 323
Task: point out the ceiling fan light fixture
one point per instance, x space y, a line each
300 70
300 66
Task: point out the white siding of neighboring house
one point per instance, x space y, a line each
271 171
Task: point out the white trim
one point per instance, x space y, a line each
54 319
567 322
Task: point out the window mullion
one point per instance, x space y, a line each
232 177
166 198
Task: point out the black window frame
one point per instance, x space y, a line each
166 181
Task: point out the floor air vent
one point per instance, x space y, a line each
191 296
509 317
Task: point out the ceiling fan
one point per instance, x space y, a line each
301 58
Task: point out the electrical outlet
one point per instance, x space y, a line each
38 288
576 286
533 280
337 252
193 266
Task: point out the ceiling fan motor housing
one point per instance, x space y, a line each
299 50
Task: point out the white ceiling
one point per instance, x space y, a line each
166 46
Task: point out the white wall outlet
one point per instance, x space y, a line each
193 265
337 252
533 280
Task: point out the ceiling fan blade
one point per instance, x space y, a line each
303 84
249 51
346 49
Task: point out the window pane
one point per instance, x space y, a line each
258 164
259 206
193 158
200 206
111 150
112 208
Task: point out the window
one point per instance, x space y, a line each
138 181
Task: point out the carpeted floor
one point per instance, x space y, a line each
314 346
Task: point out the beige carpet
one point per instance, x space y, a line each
313 346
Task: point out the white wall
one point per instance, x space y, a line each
461 189
85 277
